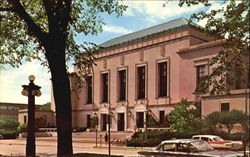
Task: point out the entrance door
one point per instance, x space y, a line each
104 122
140 119
120 122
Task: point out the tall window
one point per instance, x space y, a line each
89 89
141 82
25 119
105 86
162 74
224 107
200 73
122 86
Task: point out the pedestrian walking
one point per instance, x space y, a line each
106 138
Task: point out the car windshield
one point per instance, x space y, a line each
201 146
218 139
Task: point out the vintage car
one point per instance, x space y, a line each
218 143
186 148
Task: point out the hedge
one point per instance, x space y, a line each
8 134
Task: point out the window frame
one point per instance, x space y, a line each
200 78
226 102
119 84
101 87
87 90
137 81
157 92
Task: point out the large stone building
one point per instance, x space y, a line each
11 109
150 71
43 118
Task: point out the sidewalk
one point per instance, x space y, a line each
46 147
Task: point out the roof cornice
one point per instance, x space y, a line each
202 46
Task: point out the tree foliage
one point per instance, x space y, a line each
232 24
184 118
46 107
8 124
227 119
23 22
211 122
45 30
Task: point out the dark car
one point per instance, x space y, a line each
186 148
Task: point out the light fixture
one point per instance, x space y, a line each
32 78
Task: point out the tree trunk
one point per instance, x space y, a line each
55 54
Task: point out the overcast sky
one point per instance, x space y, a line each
139 15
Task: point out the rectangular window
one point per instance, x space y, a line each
224 107
162 75
89 89
200 73
141 82
122 85
25 119
162 115
139 119
105 86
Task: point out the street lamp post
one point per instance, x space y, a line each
31 91
109 119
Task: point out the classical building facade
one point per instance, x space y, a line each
150 71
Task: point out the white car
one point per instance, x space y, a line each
219 143
186 148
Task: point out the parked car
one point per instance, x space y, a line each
186 148
219 143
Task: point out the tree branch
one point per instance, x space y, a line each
66 14
32 26
49 11
7 9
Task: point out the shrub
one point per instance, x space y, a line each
93 122
135 142
184 119
8 127
154 137
7 123
22 128
211 122
8 134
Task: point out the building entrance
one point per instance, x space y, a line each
120 122
104 122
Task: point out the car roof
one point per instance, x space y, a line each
211 136
183 141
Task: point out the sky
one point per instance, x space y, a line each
139 15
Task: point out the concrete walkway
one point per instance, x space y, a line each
46 147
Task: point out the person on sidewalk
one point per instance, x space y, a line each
106 138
